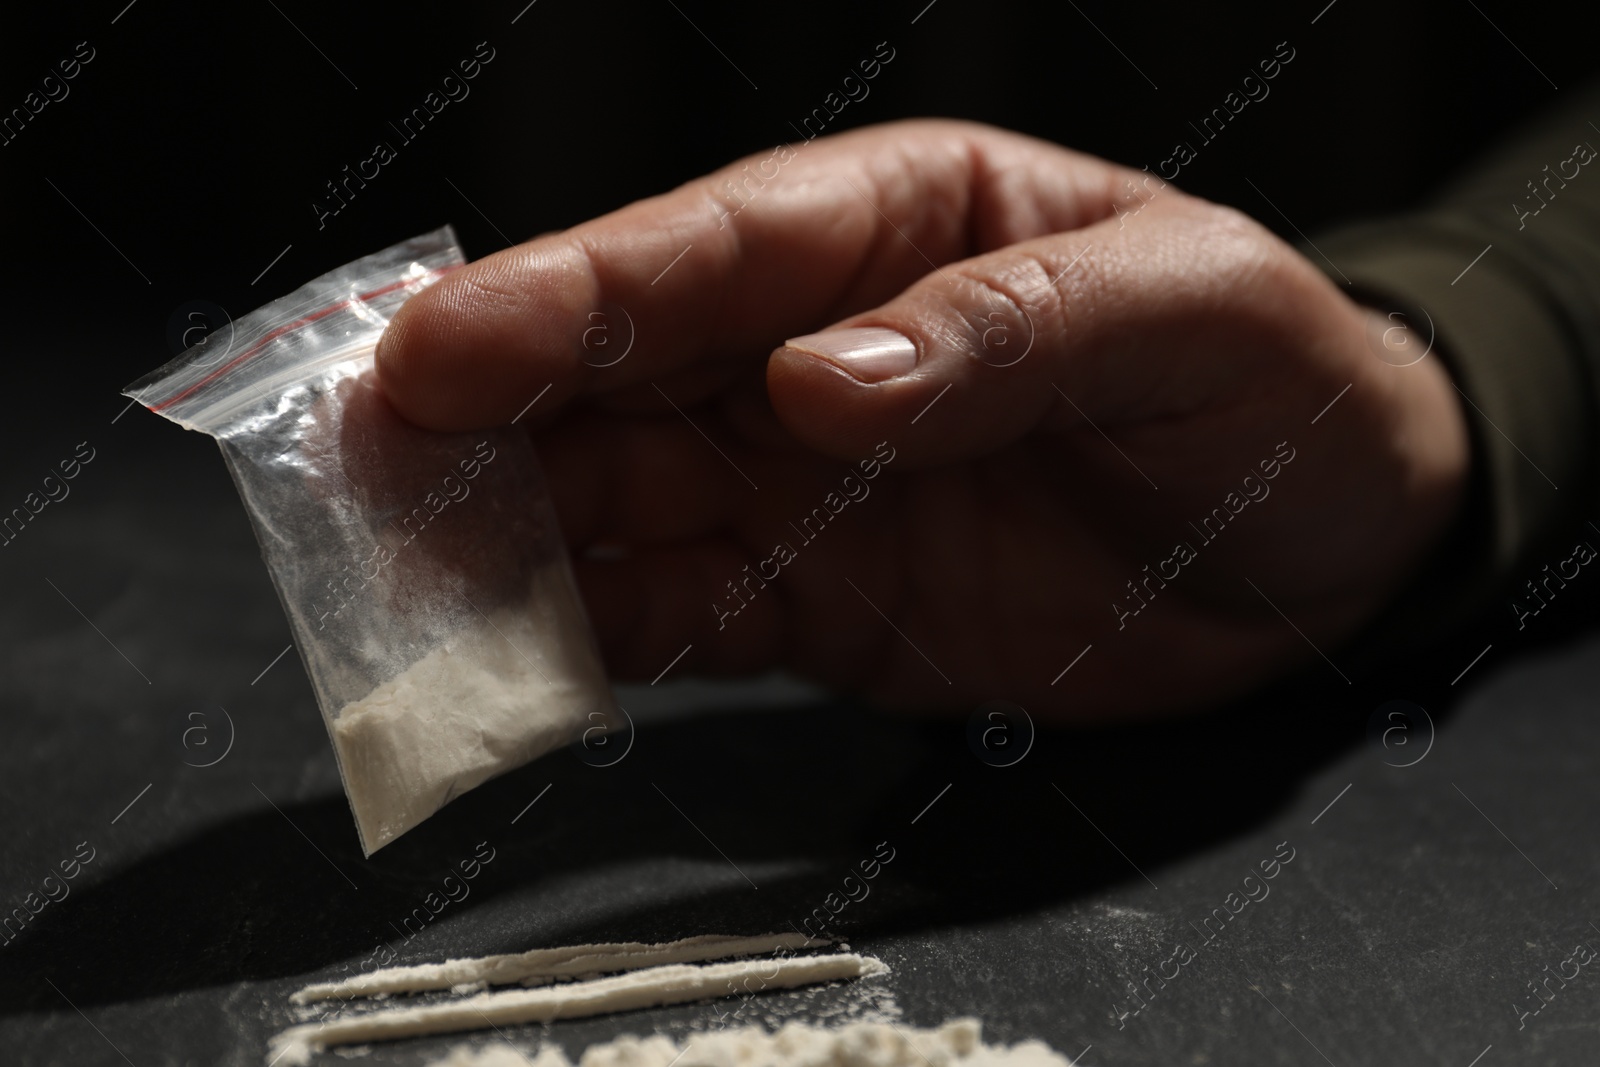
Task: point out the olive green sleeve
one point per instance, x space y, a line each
1503 270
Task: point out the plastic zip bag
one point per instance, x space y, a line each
425 580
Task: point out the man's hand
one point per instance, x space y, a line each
1107 405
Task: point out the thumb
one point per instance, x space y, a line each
1147 315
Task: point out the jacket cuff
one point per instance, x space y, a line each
1527 399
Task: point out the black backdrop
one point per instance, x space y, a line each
198 138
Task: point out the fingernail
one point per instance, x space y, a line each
866 353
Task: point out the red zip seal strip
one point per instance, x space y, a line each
277 332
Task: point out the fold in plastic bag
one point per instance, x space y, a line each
425 580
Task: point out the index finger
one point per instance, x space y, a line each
726 267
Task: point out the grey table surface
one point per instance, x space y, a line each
1420 902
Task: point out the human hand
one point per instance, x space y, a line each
1173 348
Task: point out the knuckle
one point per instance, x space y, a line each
1006 304
1229 242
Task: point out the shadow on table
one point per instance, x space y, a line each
806 794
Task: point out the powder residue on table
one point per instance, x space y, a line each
958 1043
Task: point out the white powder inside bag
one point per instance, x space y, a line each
958 1043
494 696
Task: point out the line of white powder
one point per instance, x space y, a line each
546 964
651 988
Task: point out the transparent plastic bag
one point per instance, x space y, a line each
425 580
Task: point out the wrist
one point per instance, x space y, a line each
1448 508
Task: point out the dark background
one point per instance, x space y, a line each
196 142
200 135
